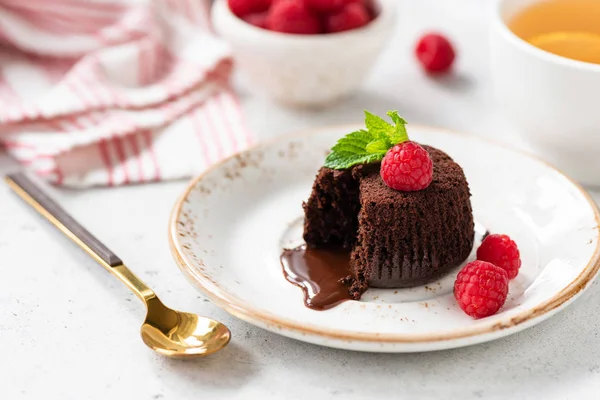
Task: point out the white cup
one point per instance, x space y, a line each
553 102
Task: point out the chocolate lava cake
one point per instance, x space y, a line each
397 239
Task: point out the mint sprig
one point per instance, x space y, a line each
370 144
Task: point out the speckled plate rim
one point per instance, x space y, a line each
239 309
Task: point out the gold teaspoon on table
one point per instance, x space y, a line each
168 332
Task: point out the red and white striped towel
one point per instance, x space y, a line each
109 93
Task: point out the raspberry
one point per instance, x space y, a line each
242 8
501 251
481 288
407 167
257 19
326 6
435 53
352 16
292 16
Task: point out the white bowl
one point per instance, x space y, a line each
554 102
305 70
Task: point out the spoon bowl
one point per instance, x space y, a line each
178 334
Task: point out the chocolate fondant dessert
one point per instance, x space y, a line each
384 212
396 238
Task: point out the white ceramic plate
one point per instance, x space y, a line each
229 227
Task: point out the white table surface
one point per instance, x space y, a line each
69 330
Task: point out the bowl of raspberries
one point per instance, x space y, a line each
306 53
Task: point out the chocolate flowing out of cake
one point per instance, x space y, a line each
395 239
322 275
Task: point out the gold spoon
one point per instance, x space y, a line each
168 332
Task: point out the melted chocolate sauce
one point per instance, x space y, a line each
320 274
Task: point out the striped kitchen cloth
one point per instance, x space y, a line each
111 93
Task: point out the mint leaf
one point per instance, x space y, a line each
359 147
377 126
399 134
354 143
395 117
370 145
378 146
345 160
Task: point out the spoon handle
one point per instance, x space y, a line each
34 195
29 191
